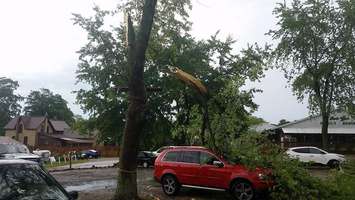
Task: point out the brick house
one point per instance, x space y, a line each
41 131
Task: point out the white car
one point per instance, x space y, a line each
44 154
315 155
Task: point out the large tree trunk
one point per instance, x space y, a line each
127 180
203 127
325 123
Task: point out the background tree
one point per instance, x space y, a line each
174 114
283 121
83 126
103 66
316 48
44 102
9 101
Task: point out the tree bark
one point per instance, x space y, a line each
323 111
203 126
325 124
127 180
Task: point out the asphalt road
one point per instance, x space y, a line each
100 183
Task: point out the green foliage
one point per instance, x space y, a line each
316 48
44 102
343 182
175 111
292 180
83 126
9 101
252 121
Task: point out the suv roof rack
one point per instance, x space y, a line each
188 147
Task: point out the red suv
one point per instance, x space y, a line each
198 167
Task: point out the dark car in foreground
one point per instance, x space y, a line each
145 159
198 167
89 154
27 180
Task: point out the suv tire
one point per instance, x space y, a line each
333 163
170 185
242 190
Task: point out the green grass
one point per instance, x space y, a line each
57 164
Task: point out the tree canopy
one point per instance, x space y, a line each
44 102
9 101
316 50
174 114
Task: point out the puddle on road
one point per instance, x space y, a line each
92 185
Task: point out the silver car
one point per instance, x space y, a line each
11 149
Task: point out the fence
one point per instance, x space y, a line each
105 151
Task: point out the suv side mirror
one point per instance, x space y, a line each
218 163
74 195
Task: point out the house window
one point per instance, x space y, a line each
25 140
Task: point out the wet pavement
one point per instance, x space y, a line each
100 183
92 185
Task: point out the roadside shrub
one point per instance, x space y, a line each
292 180
343 181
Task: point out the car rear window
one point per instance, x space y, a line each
315 151
301 150
171 156
13 148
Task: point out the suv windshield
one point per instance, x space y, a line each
13 148
28 182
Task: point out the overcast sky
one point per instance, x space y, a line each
38 43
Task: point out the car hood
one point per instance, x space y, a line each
21 156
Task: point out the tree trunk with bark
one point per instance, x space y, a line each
325 124
127 180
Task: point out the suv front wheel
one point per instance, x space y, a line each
242 190
170 185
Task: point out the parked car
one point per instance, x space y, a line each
21 179
161 149
315 155
89 154
145 159
44 154
198 167
11 149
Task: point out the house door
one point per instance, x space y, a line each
25 140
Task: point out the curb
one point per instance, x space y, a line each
70 169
